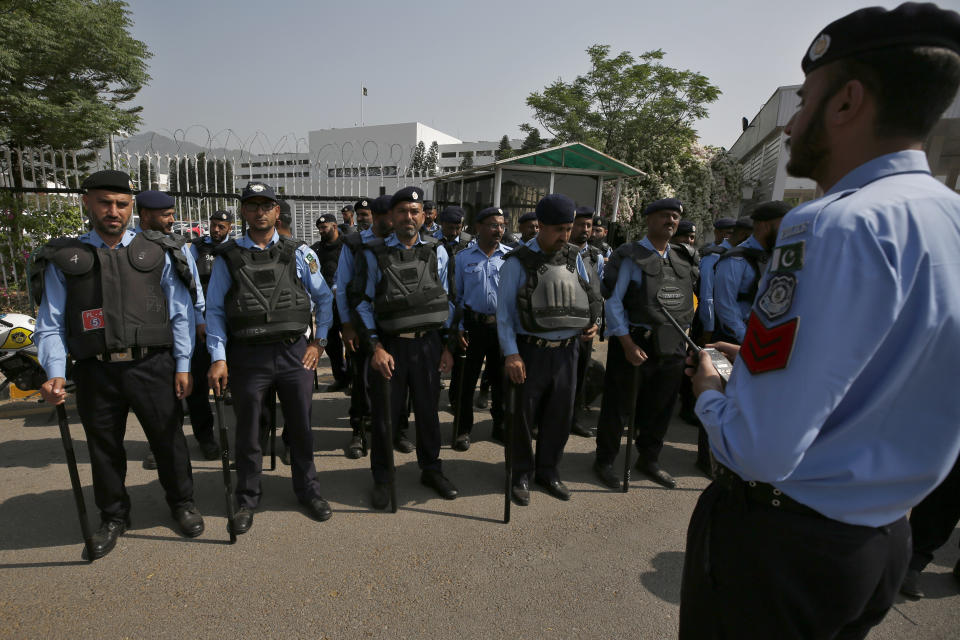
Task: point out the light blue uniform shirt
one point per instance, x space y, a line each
221 281
617 324
478 278
51 331
432 231
864 420
707 264
199 305
374 274
344 274
734 276
512 277
600 263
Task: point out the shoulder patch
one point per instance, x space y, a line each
311 262
788 257
778 297
768 349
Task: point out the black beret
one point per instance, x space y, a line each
407 194
154 200
664 204
556 208
743 222
284 207
285 218
429 204
724 223
585 212
346 207
381 205
527 217
910 24
258 190
490 211
326 217
451 214
362 203
772 210
109 180
598 221
686 227
222 214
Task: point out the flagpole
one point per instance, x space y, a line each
361 104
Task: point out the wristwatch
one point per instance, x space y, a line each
321 342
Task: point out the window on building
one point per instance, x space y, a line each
448 154
488 152
465 154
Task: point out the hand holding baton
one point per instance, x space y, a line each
225 461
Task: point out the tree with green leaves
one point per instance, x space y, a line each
465 163
534 141
418 157
504 150
433 159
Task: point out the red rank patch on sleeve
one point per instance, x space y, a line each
92 319
766 349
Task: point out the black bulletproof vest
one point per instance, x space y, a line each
409 296
267 302
757 258
205 260
667 281
114 296
592 259
554 296
329 255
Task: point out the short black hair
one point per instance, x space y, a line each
912 85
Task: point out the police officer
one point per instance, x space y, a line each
430 226
363 209
346 227
842 411
640 278
156 210
599 235
528 225
328 252
738 272
686 233
478 279
119 303
539 333
594 261
454 240
723 228
198 402
258 311
405 305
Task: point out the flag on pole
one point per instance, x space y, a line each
364 91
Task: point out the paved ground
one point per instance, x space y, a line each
603 565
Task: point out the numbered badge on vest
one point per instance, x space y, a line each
93 319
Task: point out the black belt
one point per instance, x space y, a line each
130 354
762 493
472 317
544 343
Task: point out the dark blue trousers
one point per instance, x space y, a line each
253 370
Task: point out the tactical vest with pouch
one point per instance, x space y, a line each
205 259
267 302
409 296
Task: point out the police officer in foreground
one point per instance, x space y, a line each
539 333
593 260
119 303
856 329
528 226
198 402
738 272
259 309
405 306
328 250
640 277
477 282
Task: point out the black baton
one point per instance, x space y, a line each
459 361
513 390
632 412
225 462
273 429
75 480
388 413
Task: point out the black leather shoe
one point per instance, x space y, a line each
555 488
402 443
482 399
439 483
355 448
380 498
498 435
189 520
578 429
653 471
105 538
336 386
318 509
150 462
520 492
606 475
242 520
462 443
210 449
910 586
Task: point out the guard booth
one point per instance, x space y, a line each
516 184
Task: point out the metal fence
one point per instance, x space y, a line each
40 189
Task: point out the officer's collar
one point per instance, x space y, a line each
127 238
392 239
645 242
274 239
908 161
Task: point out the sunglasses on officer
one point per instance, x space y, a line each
252 207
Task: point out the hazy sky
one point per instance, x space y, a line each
288 67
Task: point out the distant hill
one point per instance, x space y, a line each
153 143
